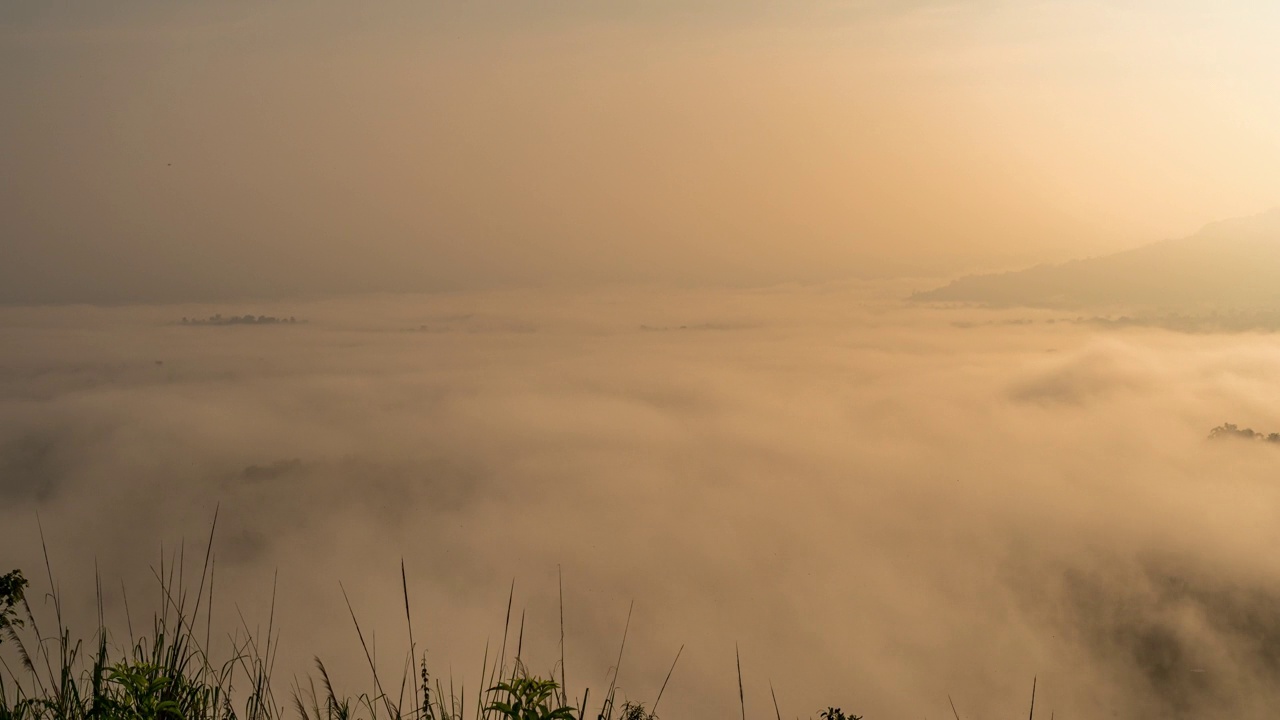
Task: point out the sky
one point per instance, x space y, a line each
155 151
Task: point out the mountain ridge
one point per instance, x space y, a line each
1226 264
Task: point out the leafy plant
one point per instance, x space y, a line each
528 698
12 585
636 711
144 689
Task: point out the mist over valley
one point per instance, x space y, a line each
876 506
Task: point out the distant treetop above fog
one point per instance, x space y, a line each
218 319
1229 431
1228 264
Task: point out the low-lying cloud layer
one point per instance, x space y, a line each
879 508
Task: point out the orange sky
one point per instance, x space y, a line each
152 152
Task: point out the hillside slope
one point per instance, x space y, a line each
1227 264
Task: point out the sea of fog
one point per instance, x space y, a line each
878 505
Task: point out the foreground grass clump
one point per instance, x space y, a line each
163 675
168 674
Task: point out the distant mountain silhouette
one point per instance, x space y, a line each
1228 264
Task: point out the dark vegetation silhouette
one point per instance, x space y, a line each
12 588
218 319
1229 431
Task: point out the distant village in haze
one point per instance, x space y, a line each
219 319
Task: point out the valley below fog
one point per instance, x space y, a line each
880 504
